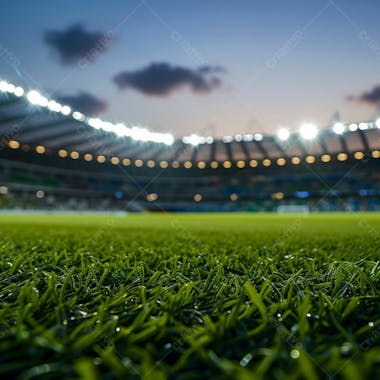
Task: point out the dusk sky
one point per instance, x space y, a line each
207 67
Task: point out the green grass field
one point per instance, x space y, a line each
242 296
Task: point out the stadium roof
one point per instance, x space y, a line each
31 120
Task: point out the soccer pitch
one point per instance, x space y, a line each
195 296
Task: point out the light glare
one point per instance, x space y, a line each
283 134
308 131
339 128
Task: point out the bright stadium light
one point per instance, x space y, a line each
121 130
258 136
135 132
353 127
19 91
209 139
168 138
107 126
238 138
363 126
193 140
283 134
36 98
378 123
3 85
248 137
78 116
339 128
228 139
11 88
54 106
95 122
308 131
140 134
66 110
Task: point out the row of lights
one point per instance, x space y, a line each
197 197
152 197
13 144
39 193
135 132
307 131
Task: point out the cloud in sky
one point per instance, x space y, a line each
371 97
161 79
75 43
84 102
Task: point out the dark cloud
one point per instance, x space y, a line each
160 79
371 97
75 43
84 102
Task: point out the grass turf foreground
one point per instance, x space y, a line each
244 296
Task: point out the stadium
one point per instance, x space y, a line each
56 158
134 251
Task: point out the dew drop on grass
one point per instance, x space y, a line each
346 348
294 354
308 315
371 324
168 346
117 329
247 358
279 315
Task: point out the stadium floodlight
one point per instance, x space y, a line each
353 127
10 88
258 136
142 134
121 130
339 128
238 138
78 116
363 126
107 126
95 122
54 106
228 139
36 98
66 110
209 139
3 85
378 123
167 138
193 140
308 131
19 91
283 134
135 132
